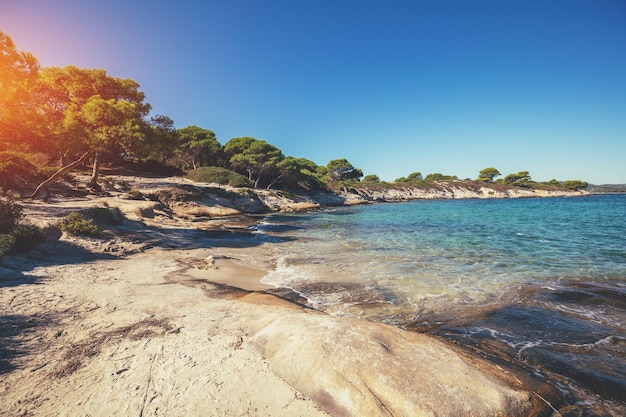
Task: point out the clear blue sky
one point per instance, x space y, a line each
448 86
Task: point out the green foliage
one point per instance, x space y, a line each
15 236
18 119
371 179
161 139
64 112
25 237
6 242
218 175
10 214
13 166
150 166
439 177
342 170
87 109
105 216
574 185
488 174
255 158
198 147
297 173
75 224
413 178
521 179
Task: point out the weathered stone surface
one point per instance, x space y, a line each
213 200
352 367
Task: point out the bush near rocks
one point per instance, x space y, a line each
75 224
15 236
219 175
10 214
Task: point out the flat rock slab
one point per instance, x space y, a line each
351 367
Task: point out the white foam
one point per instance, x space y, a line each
285 275
528 345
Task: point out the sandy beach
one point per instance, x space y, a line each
153 318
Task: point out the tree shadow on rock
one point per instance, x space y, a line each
15 333
14 268
176 238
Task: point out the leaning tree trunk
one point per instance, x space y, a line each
57 174
95 173
62 158
274 181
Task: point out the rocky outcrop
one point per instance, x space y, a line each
450 192
210 200
351 367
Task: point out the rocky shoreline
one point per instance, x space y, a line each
190 199
158 317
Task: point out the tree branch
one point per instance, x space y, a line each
57 174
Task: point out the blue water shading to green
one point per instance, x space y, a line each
540 280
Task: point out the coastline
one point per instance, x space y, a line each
159 317
88 333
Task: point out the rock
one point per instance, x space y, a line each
351 367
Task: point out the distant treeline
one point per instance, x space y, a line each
52 117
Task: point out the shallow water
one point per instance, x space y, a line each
539 281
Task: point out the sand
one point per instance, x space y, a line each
153 319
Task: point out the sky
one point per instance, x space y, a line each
394 86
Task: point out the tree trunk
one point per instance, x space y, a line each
57 174
62 159
271 184
93 183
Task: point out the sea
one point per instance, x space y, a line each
537 283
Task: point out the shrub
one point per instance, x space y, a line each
151 166
371 179
14 236
574 185
10 214
25 237
75 224
180 193
134 194
15 165
219 175
6 243
105 215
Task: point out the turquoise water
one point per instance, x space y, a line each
540 281
421 256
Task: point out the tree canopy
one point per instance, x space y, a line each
198 147
342 170
520 179
65 112
60 116
439 177
488 174
256 158
18 73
